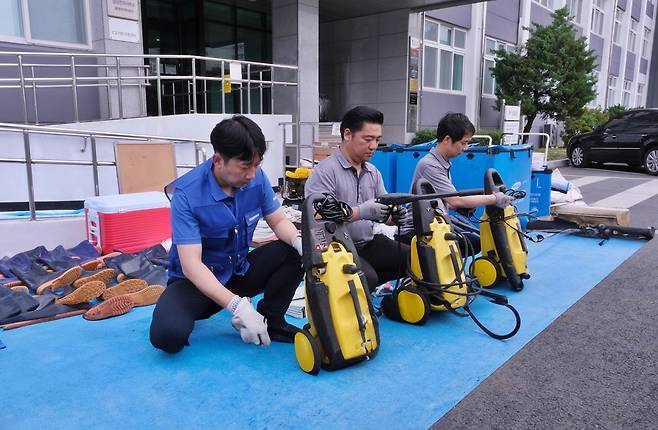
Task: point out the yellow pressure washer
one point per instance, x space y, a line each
504 251
342 326
436 280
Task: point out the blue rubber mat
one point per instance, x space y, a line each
74 373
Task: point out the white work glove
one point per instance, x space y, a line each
373 211
297 244
402 217
503 200
251 325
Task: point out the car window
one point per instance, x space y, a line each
644 119
617 123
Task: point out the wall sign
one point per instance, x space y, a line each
123 30
128 9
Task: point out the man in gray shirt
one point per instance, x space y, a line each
453 134
348 175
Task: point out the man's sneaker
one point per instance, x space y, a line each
104 275
282 333
85 293
128 286
118 305
147 296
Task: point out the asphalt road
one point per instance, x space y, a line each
596 365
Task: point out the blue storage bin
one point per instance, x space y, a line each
407 159
513 163
385 159
540 192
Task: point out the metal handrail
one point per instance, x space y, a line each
115 79
92 135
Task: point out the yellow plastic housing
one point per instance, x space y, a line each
446 270
512 227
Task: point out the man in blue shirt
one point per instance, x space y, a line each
214 211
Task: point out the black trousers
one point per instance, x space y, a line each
275 269
383 259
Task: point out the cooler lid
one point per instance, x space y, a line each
127 202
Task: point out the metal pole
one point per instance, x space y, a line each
205 96
109 92
76 114
223 93
272 90
120 91
173 94
285 142
196 152
22 78
30 179
248 88
159 81
194 85
94 164
34 97
141 95
189 102
260 90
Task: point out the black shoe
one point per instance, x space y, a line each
282 333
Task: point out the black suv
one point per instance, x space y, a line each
630 138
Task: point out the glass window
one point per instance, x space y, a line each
490 46
597 17
460 39
640 93
218 12
575 7
545 3
616 31
457 72
431 31
445 68
612 85
645 42
57 20
488 82
11 18
430 67
626 95
632 35
445 36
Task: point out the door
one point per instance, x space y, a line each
615 140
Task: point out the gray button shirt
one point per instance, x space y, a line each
336 176
436 170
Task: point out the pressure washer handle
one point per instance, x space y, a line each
640 233
395 199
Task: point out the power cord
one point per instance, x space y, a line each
332 209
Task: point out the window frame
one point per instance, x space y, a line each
546 4
616 26
439 46
626 89
632 35
611 86
598 10
490 56
27 38
573 4
646 37
639 94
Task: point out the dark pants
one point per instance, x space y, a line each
275 269
472 238
383 259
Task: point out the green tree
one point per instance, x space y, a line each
586 121
551 75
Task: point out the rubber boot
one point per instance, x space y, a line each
157 255
105 275
38 279
139 267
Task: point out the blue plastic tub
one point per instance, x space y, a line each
540 192
385 159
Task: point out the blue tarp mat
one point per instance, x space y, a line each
74 373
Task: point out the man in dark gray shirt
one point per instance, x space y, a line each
348 175
453 134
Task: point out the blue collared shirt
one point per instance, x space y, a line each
202 213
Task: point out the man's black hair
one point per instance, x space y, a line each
238 137
454 125
355 117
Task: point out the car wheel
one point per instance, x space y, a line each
578 157
651 161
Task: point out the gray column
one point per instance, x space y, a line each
295 41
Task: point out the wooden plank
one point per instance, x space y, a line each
144 166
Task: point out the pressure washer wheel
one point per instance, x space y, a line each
486 270
406 304
307 352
